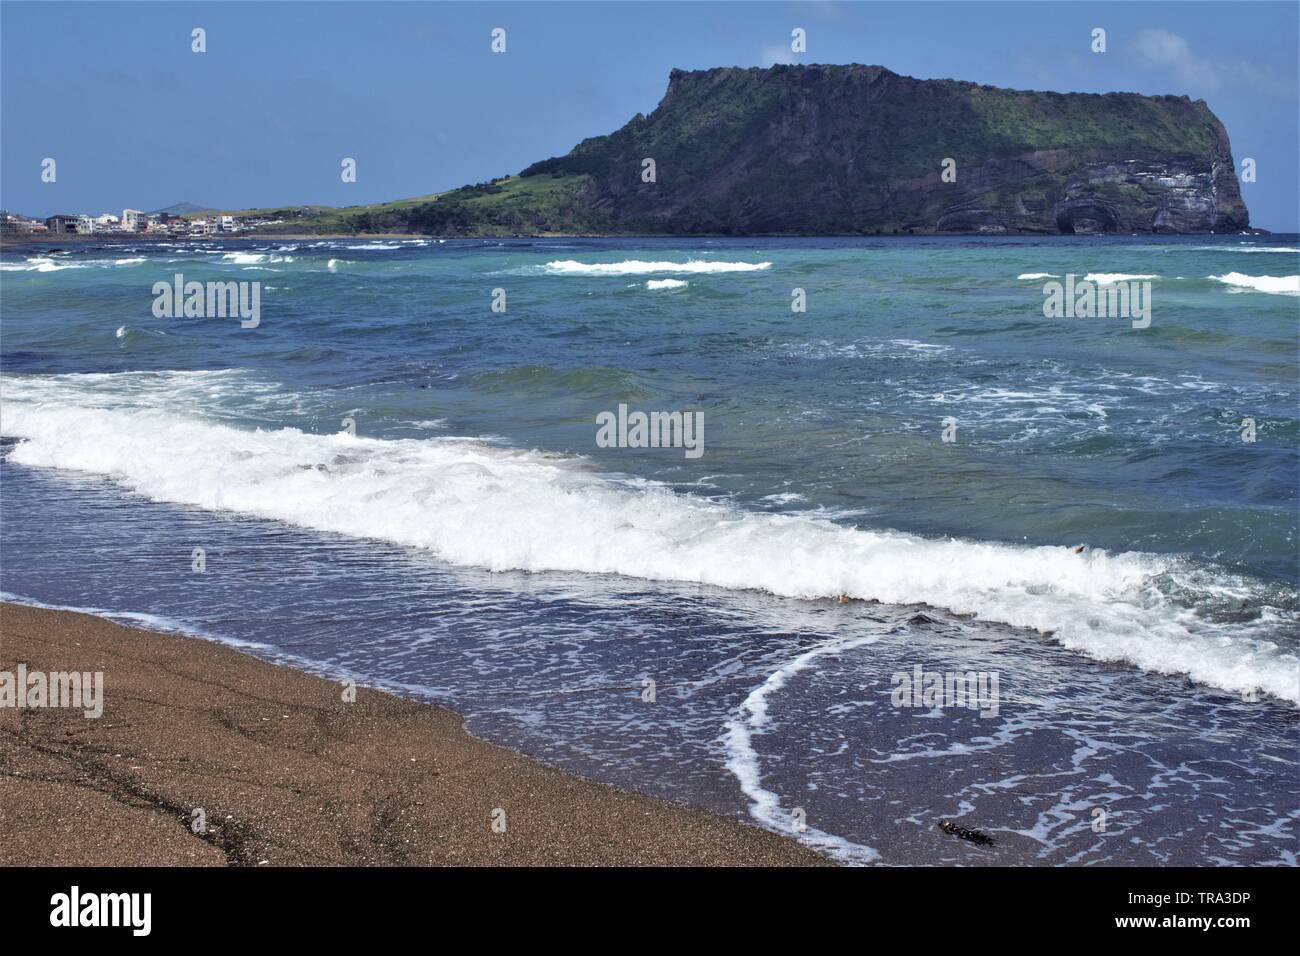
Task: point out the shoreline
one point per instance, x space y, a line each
77 239
90 240
287 772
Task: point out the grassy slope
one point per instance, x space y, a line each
507 206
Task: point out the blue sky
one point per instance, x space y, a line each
412 91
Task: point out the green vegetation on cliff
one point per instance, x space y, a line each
816 149
503 207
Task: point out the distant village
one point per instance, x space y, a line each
132 222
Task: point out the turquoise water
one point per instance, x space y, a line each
474 543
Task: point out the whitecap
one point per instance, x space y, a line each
1274 285
640 267
1110 278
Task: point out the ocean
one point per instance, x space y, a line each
909 479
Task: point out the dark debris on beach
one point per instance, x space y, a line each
966 833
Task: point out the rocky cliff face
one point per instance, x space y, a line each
859 149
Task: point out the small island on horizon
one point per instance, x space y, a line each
817 150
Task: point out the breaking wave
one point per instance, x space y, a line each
1110 278
1275 285
475 504
632 267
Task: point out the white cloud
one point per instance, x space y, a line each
774 53
818 10
1173 55
1160 49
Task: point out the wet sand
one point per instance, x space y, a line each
286 772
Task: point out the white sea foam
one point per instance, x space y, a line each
743 759
39 264
1243 248
666 283
1275 285
863 348
478 505
1038 275
254 258
50 264
1110 278
125 331
784 498
375 246
632 267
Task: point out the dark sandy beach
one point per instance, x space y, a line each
286 772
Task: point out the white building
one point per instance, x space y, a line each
133 219
85 225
